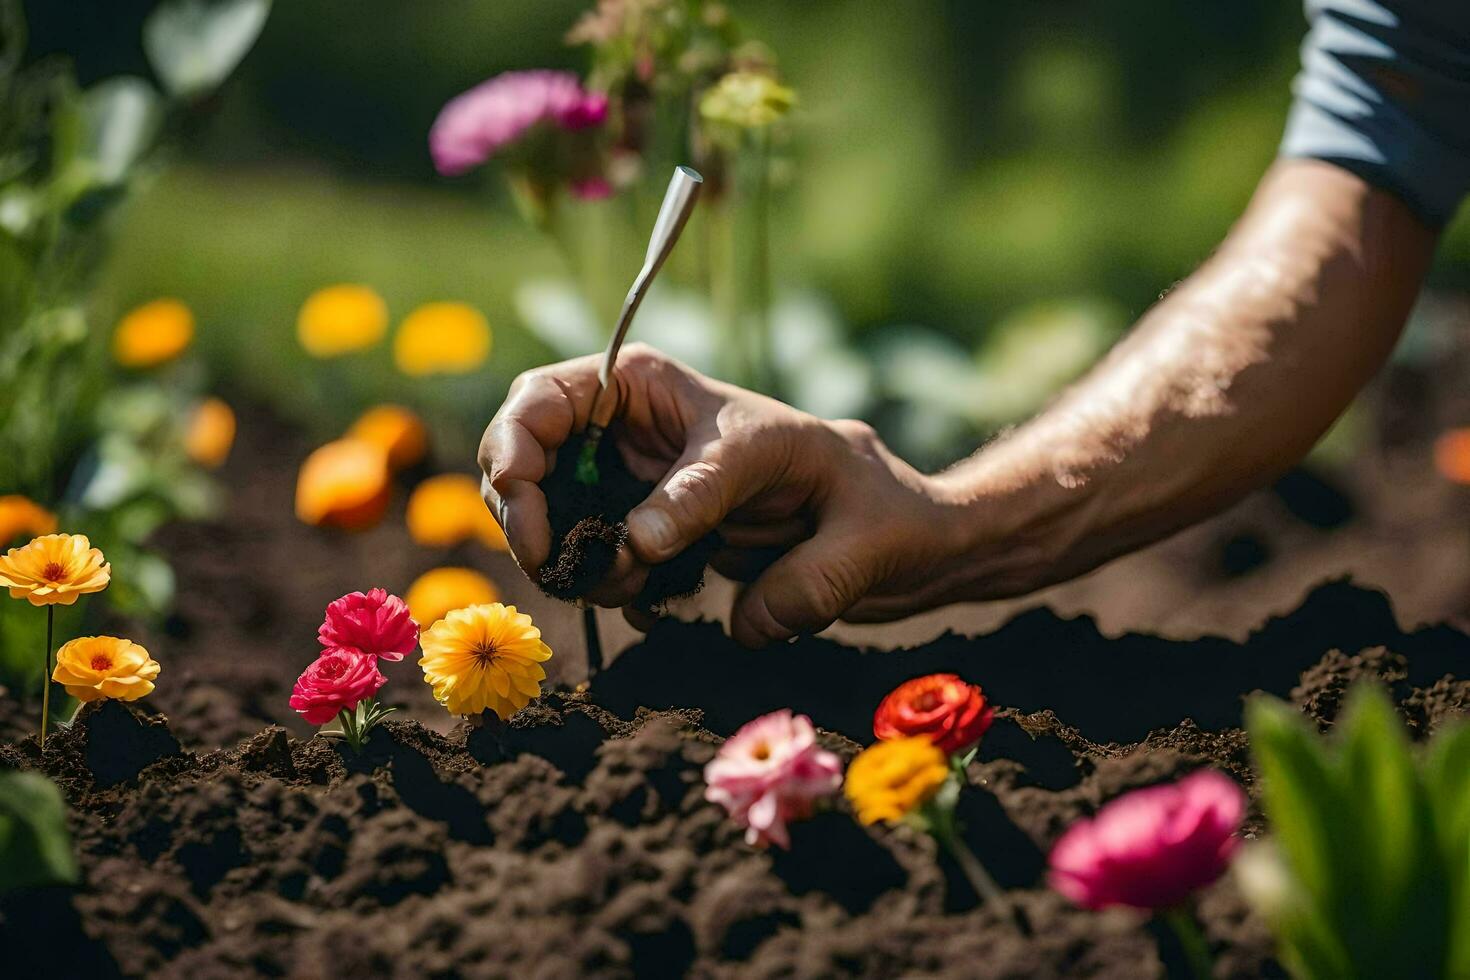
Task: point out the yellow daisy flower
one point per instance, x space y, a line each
341 319
21 517
54 568
447 509
153 334
442 338
439 591
344 484
889 780
211 433
96 667
485 656
400 432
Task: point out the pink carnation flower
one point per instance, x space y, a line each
338 680
375 624
476 124
1151 848
770 772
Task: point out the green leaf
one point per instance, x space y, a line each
120 120
1447 781
35 848
193 45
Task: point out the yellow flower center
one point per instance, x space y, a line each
485 655
53 572
101 662
761 752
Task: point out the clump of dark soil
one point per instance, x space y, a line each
589 527
575 841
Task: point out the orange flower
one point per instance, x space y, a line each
439 591
211 433
447 509
400 432
943 708
96 667
442 338
343 484
54 568
1452 455
23 517
341 319
486 656
153 334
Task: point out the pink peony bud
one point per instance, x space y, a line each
770 772
375 624
1151 848
473 126
337 680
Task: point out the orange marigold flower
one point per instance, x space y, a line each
341 319
442 338
54 568
1452 455
889 780
447 509
344 484
211 433
439 591
485 656
400 432
153 334
21 517
96 667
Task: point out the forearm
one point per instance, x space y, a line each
1222 386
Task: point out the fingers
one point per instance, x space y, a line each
521 510
694 497
804 592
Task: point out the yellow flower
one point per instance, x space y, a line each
399 431
97 667
439 591
442 338
54 568
889 780
447 509
341 319
485 656
746 99
21 517
344 484
153 333
211 433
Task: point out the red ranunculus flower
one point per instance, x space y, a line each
338 680
376 624
943 708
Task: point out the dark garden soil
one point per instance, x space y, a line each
575 842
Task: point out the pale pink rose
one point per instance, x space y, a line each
375 624
476 124
338 680
771 772
1151 848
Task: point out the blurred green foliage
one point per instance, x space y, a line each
1372 842
35 847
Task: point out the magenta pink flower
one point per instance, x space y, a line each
592 189
476 124
338 680
375 624
1151 848
771 772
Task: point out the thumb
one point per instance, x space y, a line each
708 481
805 592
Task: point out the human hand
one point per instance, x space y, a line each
821 516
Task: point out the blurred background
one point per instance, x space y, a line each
957 208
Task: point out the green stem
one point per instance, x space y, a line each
46 678
348 721
942 826
1191 939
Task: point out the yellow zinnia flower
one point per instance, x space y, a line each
341 319
889 780
153 333
400 432
442 338
96 667
485 656
344 484
54 568
211 433
21 517
447 509
439 591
